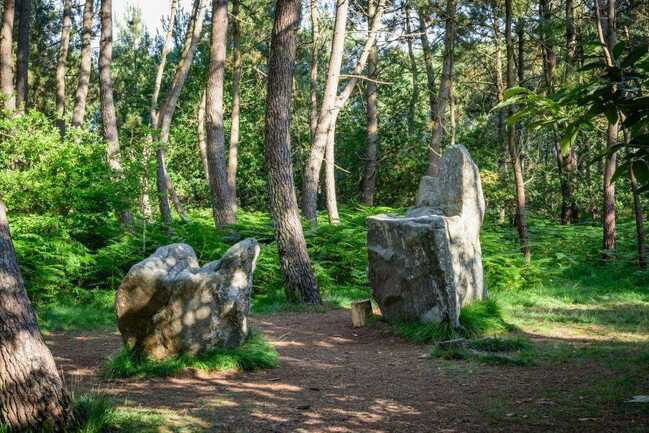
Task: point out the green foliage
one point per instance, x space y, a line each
514 351
84 310
476 320
253 354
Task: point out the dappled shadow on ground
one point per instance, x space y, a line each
333 378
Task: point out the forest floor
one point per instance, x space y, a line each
334 378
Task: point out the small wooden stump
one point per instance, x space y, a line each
361 311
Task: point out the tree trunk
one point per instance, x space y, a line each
414 96
330 175
233 151
108 117
313 116
31 390
64 48
639 221
22 55
202 141
435 151
498 72
165 116
571 33
294 259
6 56
514 151
369 176
222 203
79 112
428 61
333 102
608 39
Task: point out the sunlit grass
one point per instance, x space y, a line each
255 353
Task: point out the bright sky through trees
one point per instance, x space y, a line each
152 10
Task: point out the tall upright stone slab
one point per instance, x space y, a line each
427 265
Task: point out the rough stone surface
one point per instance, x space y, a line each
428 265
167 304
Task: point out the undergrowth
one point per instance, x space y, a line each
515 351
255 353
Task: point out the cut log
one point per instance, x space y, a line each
361 311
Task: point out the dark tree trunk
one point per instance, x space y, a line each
22 55
571 33
6 56
639 222
513 148
108 116
31 390
222 203
435 151
233 151
294 259
64 48
369 176
85 64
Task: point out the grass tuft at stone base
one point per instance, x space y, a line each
255 353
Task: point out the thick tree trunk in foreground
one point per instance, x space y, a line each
6 56
332 102
369 176
435 151
22 55
233 151
294 260
79 113
64 48
513 148
108 116
222 203
31 391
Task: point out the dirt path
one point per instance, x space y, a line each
333 378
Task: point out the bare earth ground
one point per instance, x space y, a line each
333 378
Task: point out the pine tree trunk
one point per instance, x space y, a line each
200 133
514 151
639 221
369 176
333 102
108 116
79 113
31 390
64 48
313 115
330 175
22 55
222 203
6 56
428 61
435 151
414 96
233 151
294 259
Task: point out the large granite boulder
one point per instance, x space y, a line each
167 304
427 265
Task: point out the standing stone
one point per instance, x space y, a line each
428 265
168 305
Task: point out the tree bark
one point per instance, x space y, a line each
428 61
498 72
414 96
369 176
608 38
294 259
333 102
233 151
79 112
330 175
202 140
313 116
31 390
514 151
435 151
108 116
571 33
222 204
22 55
6 56
64 48
639 221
